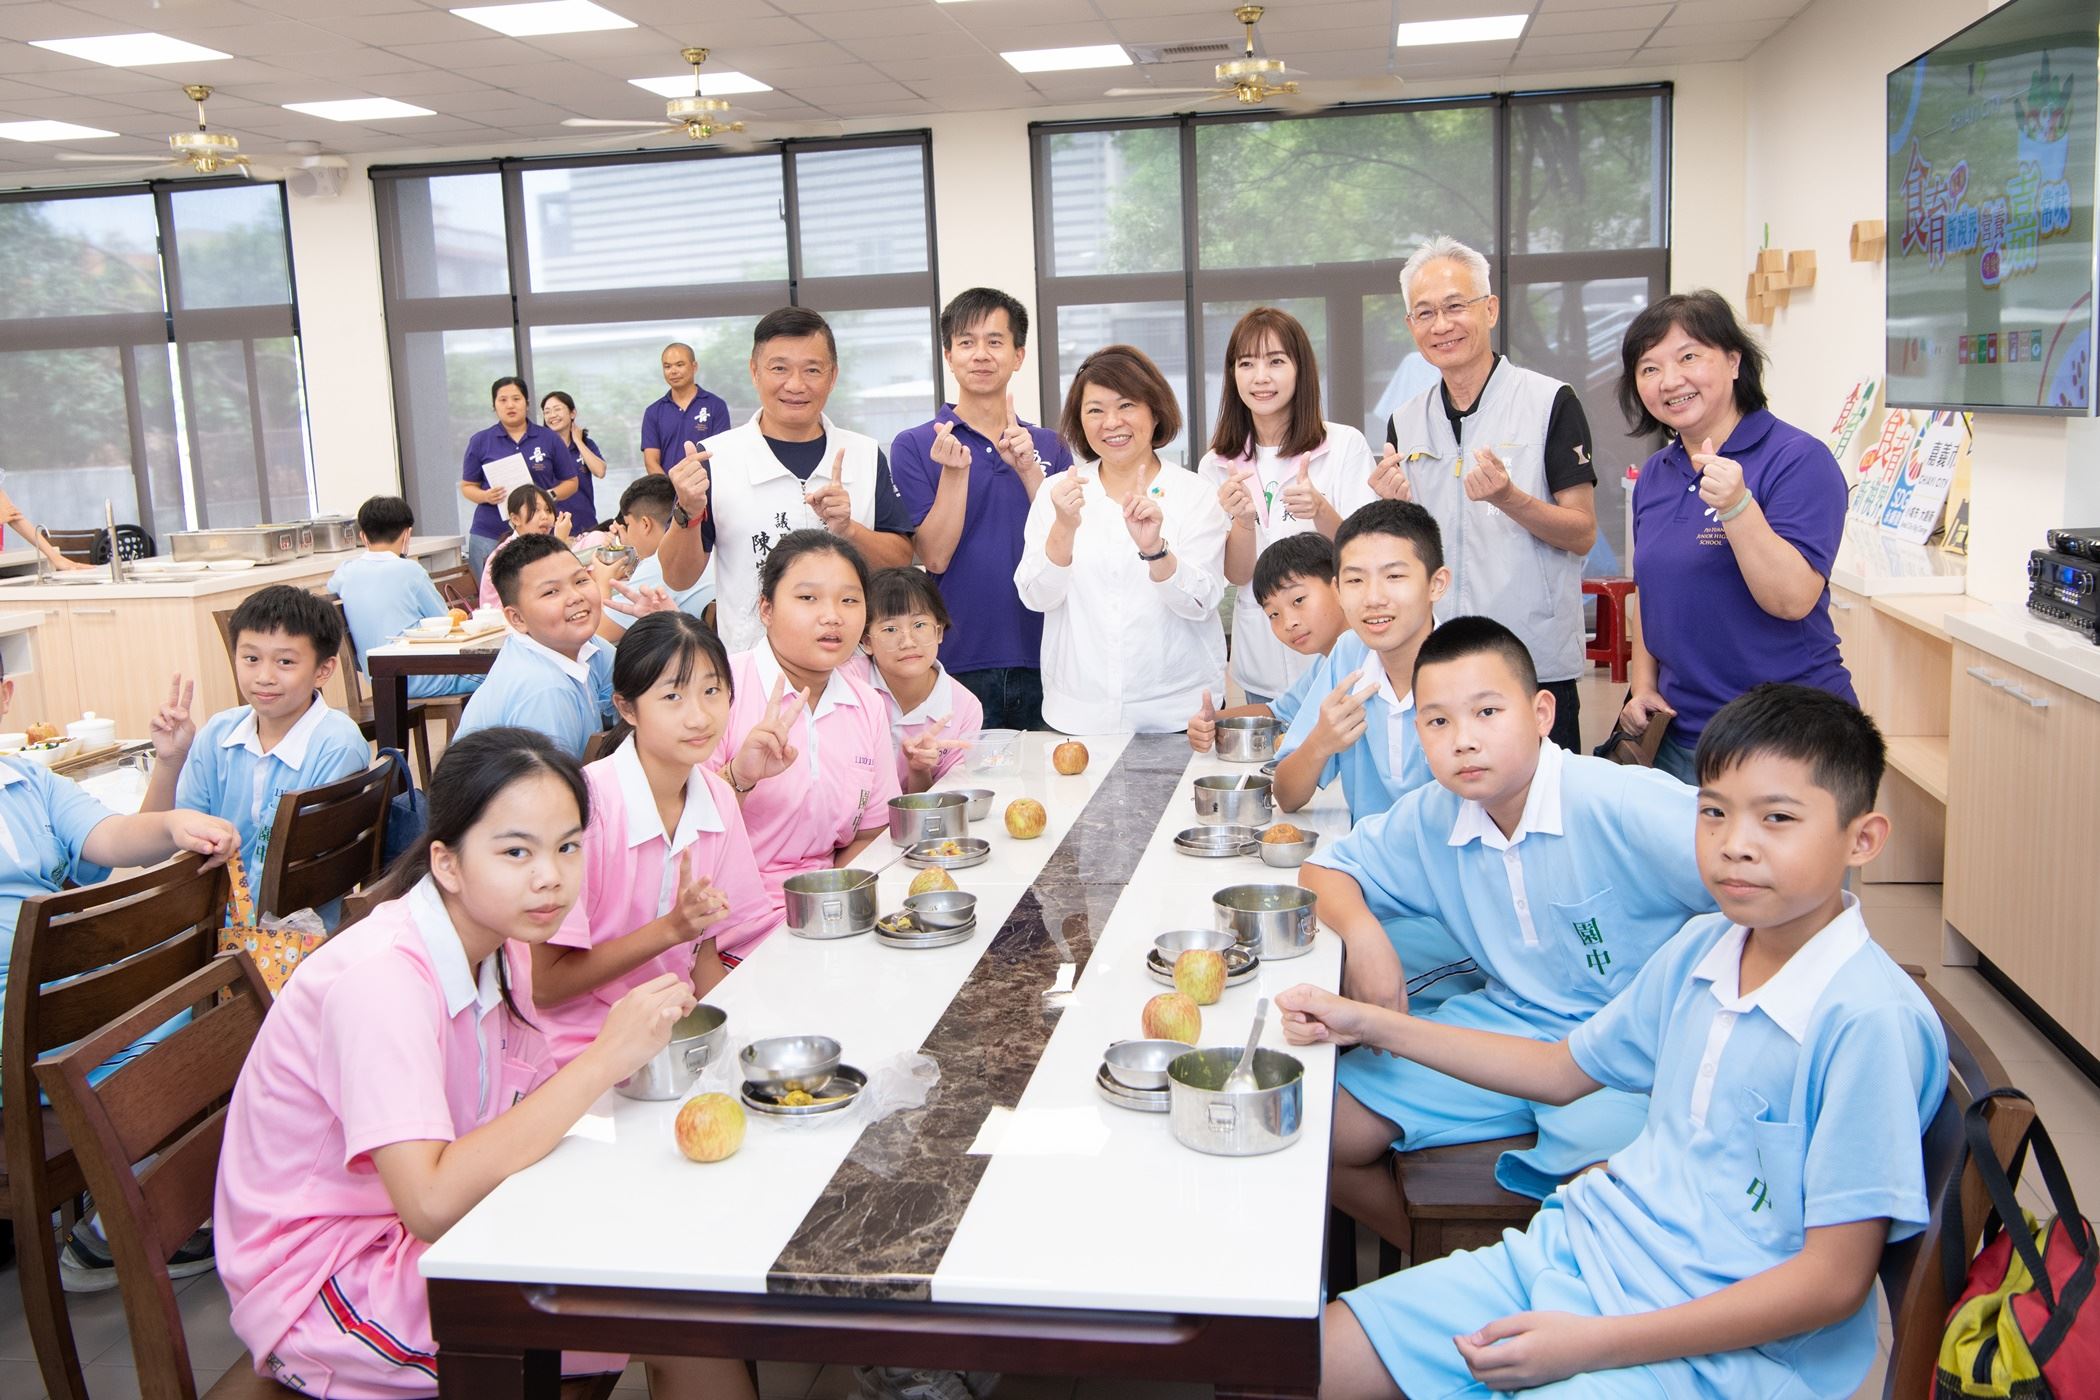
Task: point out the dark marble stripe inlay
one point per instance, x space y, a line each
885 1219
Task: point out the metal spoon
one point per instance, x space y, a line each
871 874
1242 1080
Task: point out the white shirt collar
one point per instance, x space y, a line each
1395 705
1541 808
836 690
292 747
938 704
644 821
1788 996
448 957
10 775
577 668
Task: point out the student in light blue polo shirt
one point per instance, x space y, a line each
644 520
1558 875
1293 585
553 674
1730 1249
285 739
1389 573
385 593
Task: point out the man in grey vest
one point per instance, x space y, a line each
1501 457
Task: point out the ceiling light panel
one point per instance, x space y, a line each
711 85
131 50
546 17
1065 60
360 109
50 131
1481 29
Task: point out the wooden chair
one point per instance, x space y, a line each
81 959
420 712
92 546
1910 1270
326 841
458 587
1453 1201
355 907
604 742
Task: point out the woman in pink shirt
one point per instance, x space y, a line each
931 716
808 751
396 1082
669 881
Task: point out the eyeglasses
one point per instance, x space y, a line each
897 634
1449 311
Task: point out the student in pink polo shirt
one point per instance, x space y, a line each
396 1082
808 751
930 714
669 881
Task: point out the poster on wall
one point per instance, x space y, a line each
1879 467
1991 155
1852 415
1919 492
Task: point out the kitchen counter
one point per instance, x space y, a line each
1871 564
432 551
2011 634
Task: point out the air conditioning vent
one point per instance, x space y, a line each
1188 51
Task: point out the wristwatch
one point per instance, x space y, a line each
1164 550
684 519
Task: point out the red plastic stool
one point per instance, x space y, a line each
1611 644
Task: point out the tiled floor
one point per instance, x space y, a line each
1905 918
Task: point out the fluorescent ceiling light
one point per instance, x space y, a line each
50 131
547 17
711 85
1460 31
359 109
131 50
1060 60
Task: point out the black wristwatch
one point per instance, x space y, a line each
1164 550
684 519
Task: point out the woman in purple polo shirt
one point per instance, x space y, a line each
1735 524
513 434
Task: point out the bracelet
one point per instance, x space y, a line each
1723 517
729 777
1164 550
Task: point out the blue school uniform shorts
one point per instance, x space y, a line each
1431 1109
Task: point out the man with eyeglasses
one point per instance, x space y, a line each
1501 457
788 467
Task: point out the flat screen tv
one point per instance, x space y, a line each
1990 214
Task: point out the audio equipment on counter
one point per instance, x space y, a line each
2083 543
2064 588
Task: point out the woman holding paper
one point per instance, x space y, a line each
1278 470
512 452
1735 524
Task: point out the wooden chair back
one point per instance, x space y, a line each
1910 1270
326 841
76 545
458 587
224 618
355 700
604 742
169 1104
81 959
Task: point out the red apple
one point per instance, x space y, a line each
710 1127
1025 818
1199 974
1172 1016
1069 757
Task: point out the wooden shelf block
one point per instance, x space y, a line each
1923 760
1771 260
1801 268
1869 240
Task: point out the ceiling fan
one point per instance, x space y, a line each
208 152
1255 80
703 118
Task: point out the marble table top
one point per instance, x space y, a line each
1065 1200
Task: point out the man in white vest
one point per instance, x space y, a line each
1501 457
789 467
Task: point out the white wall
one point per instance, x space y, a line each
1817 133
342 332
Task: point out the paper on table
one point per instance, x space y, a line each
1041 1132
508 472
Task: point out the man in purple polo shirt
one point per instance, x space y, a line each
686 413
967 478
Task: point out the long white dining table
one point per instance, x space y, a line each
1014 1221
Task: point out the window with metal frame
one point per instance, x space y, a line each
149 356
576 272
1161 233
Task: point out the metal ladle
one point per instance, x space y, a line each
1242 1080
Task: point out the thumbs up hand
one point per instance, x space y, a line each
831 502
1203 726
1301 499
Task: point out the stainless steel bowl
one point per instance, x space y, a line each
1276 921
927 816
829 903
1142 1064
1216 842
1235 801
785 1063
1248 738
1266 1118
975 851
1173 943
1288 855
943 909
669 1073
977 802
